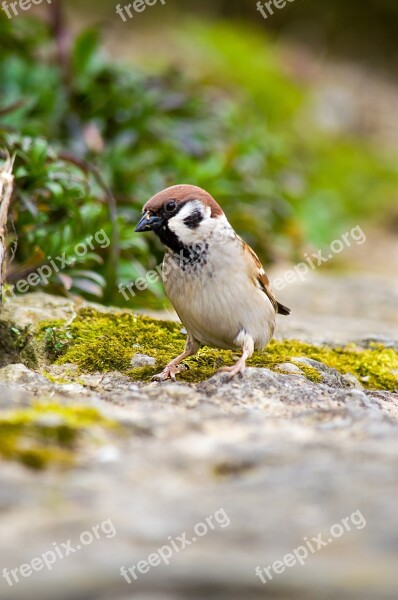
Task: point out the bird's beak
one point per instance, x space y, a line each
149 222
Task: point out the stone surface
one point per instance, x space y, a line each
19 315
18 375
31 309
282 458
340 308
143 360
289 368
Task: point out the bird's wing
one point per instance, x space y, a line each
259 277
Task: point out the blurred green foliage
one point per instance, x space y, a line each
82 129
328 179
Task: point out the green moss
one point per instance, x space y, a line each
230 468
57 380
23 345
311 373
374 366
68 376
47 433
105 342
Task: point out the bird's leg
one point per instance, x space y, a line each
169 372
240 365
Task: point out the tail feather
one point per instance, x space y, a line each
283 310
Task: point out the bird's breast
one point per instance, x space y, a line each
214 297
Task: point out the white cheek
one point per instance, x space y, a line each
185 234
218 229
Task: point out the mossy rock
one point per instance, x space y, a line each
100 342
39 329
48 433
19 319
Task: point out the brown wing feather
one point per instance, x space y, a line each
262 279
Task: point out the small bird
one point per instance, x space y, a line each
214 280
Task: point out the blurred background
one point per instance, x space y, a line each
290 122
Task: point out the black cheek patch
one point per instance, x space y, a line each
193 220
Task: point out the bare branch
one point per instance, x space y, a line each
6 189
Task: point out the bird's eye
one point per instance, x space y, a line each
170 206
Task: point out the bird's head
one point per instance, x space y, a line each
180 215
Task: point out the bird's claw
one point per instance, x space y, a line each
237 369
170 372
163 376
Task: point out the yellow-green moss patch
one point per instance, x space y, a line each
47 433
107 342
374 366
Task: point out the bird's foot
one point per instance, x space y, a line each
237 369
170 372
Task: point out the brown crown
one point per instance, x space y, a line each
182 193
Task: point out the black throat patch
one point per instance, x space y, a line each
169 238
184 255
187 257
190 258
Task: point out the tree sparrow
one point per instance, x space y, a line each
214 280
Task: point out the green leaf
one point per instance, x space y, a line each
84 52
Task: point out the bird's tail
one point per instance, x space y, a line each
283 310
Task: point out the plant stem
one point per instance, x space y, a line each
6 189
